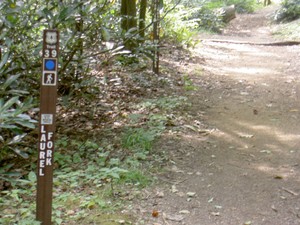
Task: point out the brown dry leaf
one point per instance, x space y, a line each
278 177
155 213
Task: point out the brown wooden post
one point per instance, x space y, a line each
155 19
47 126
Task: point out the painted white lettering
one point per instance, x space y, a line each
43 129
49 153
42 155
48 161
42 146
42 163
43 137
50 135
49 144
41 172
51 46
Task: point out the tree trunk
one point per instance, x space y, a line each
129 21
142 18
267 2
128 13
155 21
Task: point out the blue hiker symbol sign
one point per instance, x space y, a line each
49 72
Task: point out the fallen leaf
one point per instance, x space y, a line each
174 189
160 194
176 218
278 177
215 213
265 151
246 136
181 194
70 212
191 194
210 200
184 212
244 93
274 208
191 128
290 191
155 213
294 110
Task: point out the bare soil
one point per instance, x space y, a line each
238 161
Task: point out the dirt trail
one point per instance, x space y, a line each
245 169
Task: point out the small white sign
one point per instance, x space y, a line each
51 37
47 119
49 78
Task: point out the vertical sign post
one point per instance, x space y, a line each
47 126
155 19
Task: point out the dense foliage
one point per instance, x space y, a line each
290 10
93 38
83 26
91 33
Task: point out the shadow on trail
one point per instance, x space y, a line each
242 164
250 164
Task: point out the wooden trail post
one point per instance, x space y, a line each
155 19
48 97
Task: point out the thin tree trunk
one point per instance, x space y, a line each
142 19
155 20
129 21
128 13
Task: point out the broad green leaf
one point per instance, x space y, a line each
20 153
8 104
114 175
24 117
26 124
12 5
58 220
12 174
8 126
7 167
65 13
105 34
17 139
4 59
17 92
32 177
12 19
10 80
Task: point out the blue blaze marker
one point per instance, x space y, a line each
50 64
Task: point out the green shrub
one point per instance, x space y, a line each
179 26
14 119
242 6
290 10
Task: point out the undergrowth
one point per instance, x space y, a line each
93 178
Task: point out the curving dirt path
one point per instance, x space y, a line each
240 161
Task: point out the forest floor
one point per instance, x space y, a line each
239 160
